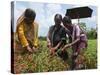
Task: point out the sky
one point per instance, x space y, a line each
45 13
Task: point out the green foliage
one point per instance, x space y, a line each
42 61
83 26
91 33
91 54
42 38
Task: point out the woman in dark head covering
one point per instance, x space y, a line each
57 37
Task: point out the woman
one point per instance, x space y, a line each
56 38
27 30
79 39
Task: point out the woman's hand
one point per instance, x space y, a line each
34 49
52 51
66 46
49 45
29 49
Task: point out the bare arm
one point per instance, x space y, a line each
52 49
76 40
56 47
49 44
48 41
70 44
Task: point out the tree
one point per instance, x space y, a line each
91 33
83 26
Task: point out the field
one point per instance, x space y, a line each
41 61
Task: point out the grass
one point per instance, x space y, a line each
41 61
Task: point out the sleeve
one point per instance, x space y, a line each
35 38
48 35
77 31
50 29
21 36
